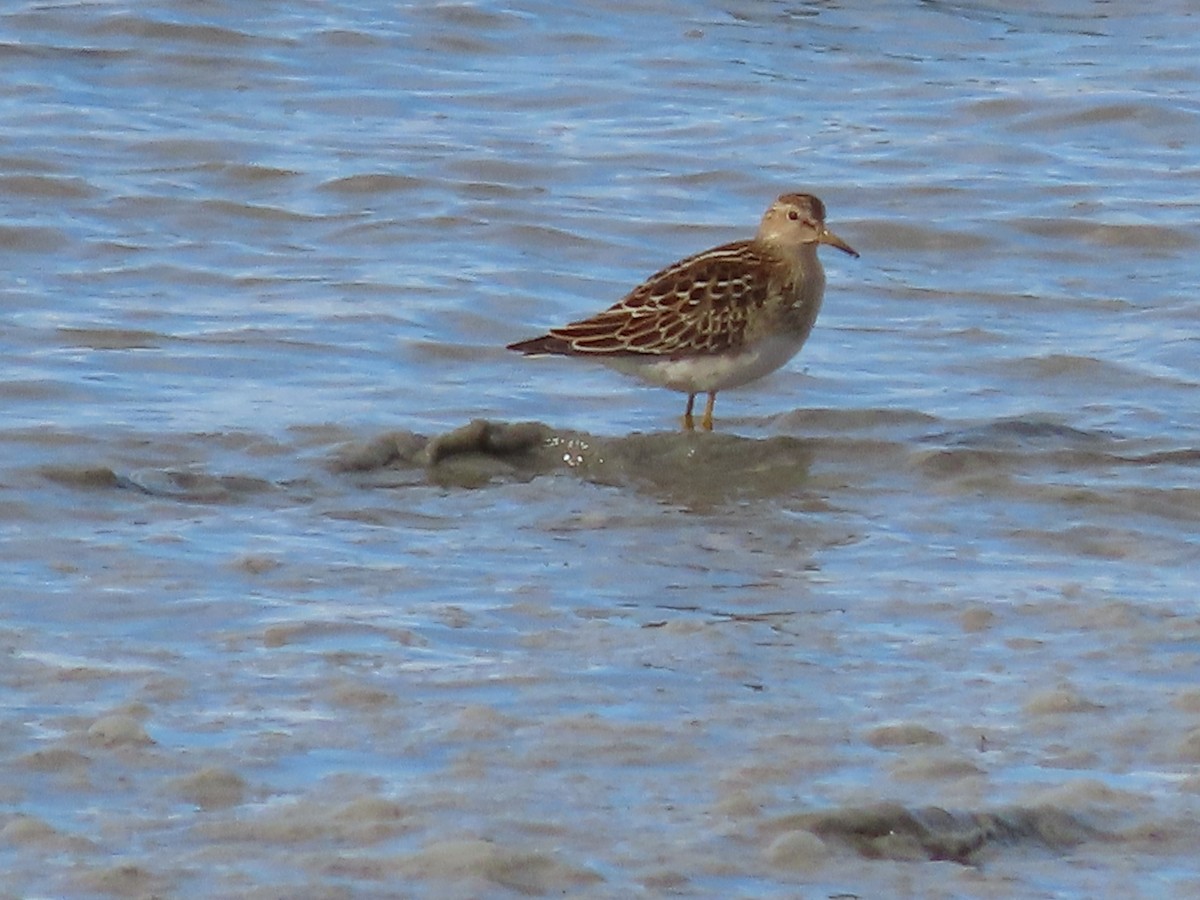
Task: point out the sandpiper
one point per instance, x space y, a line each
716 320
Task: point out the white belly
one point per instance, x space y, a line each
700 374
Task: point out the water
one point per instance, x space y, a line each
256 644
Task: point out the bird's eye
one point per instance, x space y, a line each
793 215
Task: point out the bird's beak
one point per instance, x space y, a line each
828 237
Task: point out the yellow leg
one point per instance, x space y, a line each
689 424
706 422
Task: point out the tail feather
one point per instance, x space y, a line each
546 344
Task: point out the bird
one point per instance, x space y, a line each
717 319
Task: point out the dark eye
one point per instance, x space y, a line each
793 215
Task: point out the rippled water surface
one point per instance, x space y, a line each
312 589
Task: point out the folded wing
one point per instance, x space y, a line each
697 306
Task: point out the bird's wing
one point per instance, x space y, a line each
698 305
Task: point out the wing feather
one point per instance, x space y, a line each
698 305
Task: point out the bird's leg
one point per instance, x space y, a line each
706 422
689 424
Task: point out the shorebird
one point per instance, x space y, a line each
715 320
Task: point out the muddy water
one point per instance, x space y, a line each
310 589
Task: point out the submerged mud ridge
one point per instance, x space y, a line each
178 484
671 463
1033 461
890 831
467 457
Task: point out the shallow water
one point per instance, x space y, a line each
311 589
